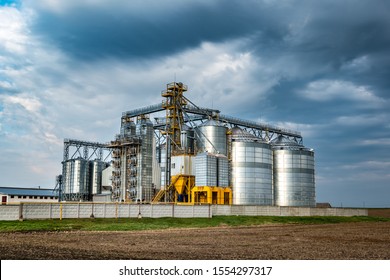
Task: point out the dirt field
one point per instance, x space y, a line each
363 240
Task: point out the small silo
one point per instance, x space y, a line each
251 169
211 138
96 167
206 169
294 182
77 180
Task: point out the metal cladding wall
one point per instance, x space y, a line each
215 133
144 129
205 170
294 174
182 164
161 159
252 173
222 171
127 129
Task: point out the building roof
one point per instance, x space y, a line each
28 191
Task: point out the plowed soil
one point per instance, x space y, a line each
363 240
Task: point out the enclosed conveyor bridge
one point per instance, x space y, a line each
195 113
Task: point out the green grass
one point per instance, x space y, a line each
126 224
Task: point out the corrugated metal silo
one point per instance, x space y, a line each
211 137
96 168
251 169
205 169
77 181
294 181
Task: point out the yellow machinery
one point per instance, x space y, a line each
211 195
180 187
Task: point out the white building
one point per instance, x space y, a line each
16 195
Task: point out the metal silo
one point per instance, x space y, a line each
77 181
294 182
96 168
251 176
144 129
205 169
211 137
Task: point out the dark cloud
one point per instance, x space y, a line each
93 33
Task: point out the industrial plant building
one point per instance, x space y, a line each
11 195
190 155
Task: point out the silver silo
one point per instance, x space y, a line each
187 138
205 170
211 137
77 181
294 174
145 191
251 169
96 168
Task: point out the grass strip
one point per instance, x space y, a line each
132 224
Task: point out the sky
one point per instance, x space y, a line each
68 69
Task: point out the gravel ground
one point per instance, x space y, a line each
363 240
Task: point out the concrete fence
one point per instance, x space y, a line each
30 211
256 210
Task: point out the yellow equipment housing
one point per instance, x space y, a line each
211 195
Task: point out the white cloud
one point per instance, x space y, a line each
30 104
329 90
13 31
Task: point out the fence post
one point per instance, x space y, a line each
139 211
92 216
60 211
21 212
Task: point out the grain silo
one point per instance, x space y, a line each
77 180
251 176
294 183
96 168
211 137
